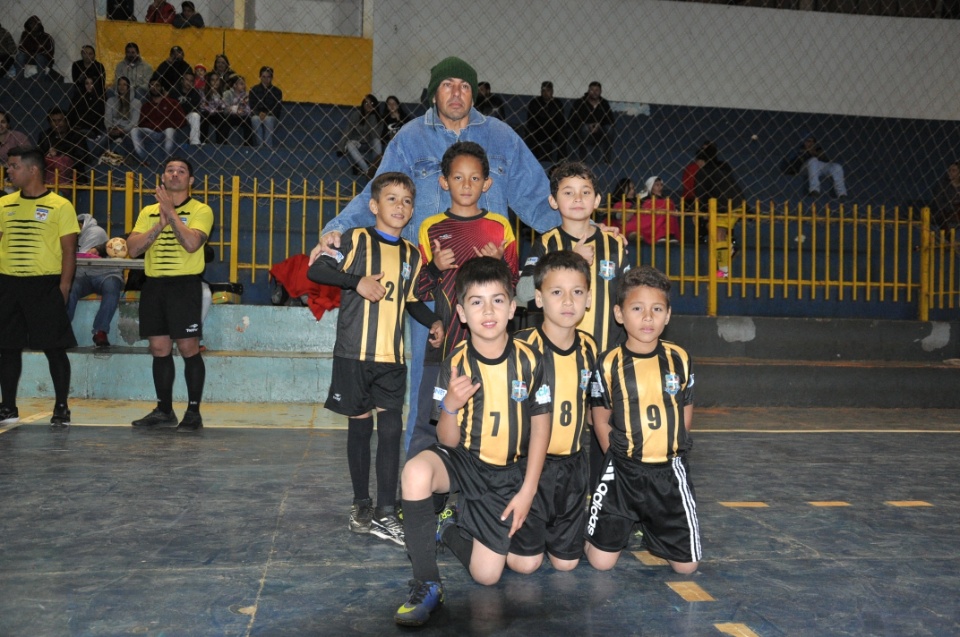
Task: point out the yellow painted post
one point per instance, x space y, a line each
234 226
712 259
925 255
128 202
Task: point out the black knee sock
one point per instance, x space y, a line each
460 546
195 373
359 433
59 364
420 533
389 429
11 365
163 375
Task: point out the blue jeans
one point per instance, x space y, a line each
263 130
108 285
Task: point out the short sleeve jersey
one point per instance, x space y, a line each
609 264
32 227
647 394
368 331
166 257
495 421
461 235
570 372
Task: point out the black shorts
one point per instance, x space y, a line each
561 510
171 306
33 313
357 387
485 491
659 497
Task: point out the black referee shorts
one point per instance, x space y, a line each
33 313
171 306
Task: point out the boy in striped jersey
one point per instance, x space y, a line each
562 280
377 270
643 410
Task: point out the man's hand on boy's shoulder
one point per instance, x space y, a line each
436 334
328 245
614 230
492 250
369 287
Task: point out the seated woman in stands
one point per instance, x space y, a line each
361 137
624 203
393 119
221 66
657 220
122 114
87 112
236 102
9 138
213 108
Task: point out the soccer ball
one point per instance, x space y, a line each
117 248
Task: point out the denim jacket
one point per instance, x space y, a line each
519 181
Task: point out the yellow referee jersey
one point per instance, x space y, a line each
166 257
32 227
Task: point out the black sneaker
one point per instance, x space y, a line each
192 421
385 525
361 515
9 415
60 417
157 418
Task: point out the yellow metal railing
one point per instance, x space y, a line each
800 251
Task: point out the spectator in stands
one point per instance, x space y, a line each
546 125
9 138
236 101
656 220
689 178
590 123
946 200
818 165
487 103
108 283
266 107
36 48
188 17
394 118
221 64
200 75
135 69
88 66
64 149
213 108
171 70
120 10
122 113
190 100
87 112
361 137
8 51
715 180
624 203
160 118
160 12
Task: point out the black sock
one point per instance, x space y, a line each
389 429
359 433
11 365
163 375
420 533
195 373
59 364
460 546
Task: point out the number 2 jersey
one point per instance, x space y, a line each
647 394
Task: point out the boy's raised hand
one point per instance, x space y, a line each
492 250
459 390
584 250
443 257
369 287
436 334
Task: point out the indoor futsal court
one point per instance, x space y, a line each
819 522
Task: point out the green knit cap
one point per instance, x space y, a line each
451 67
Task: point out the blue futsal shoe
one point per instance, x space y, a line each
425 597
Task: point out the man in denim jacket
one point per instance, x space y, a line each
519 181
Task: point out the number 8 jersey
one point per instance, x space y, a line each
647 394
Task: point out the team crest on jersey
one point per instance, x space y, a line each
585 375
405 271
607 270
543 395
41 214
518 391
671 384
532 261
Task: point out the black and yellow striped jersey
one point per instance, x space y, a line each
32 227
609 264
495 422
569 373
166 257
366 331
647 394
